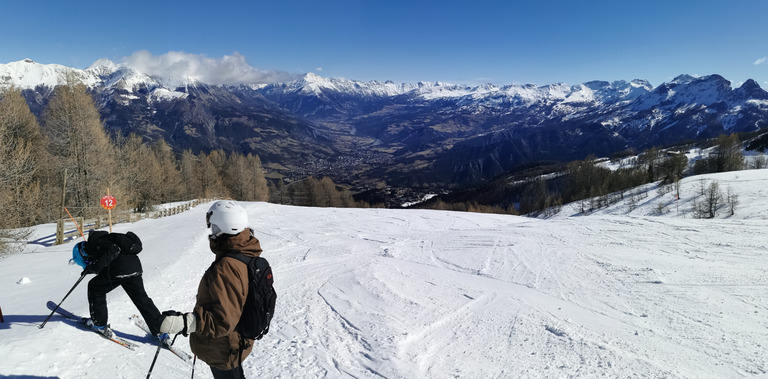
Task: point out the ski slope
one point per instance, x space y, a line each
377 293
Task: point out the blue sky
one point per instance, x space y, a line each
462 42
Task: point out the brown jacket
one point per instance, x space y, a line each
220 299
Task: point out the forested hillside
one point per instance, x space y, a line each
67 159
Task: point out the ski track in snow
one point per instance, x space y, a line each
374 293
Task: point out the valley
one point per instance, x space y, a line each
434 136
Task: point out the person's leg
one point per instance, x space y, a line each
235 373
98 287
134 287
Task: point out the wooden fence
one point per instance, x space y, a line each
66 229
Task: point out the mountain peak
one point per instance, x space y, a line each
26 74
750 85
102 62
750 90
683 79
641 83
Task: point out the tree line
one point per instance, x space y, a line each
68 159
593 185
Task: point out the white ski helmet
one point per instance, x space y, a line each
226 217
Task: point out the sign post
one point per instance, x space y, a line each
108 202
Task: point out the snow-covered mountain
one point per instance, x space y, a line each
28 74
405 134
103 74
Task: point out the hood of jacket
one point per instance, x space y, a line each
244 242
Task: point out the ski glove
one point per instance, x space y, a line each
93 268
177 322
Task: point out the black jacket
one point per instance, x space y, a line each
113 253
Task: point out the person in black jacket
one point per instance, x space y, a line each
113 258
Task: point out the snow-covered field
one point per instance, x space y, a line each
367 293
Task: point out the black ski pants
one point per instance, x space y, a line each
235 373
100 285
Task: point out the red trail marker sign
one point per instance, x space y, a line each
109 202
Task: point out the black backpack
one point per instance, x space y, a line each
260 303
102 248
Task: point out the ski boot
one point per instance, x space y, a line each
104 330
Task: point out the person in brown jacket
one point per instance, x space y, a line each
221 295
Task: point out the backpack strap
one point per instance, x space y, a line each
247 260
239 256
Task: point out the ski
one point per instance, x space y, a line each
164 341
81 321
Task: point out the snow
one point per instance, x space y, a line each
423 199
434 294
758 103
580 94
162 94
313 84
27 73
103 67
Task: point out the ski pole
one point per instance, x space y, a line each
193 366
159 346
62 300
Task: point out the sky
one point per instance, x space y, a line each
459 42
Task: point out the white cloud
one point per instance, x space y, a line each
318 69
761 61
229 69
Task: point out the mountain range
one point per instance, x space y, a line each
435 135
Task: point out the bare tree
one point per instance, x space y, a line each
140 173
209 176
188 171
244 177
728 153
759 162
172 185
714 199
732 200
22 163
22 153
672 168
255 180
80 143
650 159
709 204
